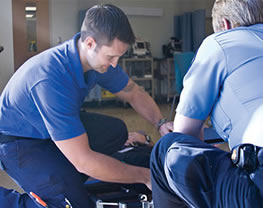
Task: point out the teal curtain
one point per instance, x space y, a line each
190 28
182 62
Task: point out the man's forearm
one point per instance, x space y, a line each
100 166
143 104
186 125
105 168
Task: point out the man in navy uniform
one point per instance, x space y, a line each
46 145
225 83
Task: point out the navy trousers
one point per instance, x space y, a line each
187 172
38 166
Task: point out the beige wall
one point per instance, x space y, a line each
64 23
156 30
6 40
63 19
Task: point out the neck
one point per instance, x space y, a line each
83 59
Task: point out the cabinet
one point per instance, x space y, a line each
170 78
141 71
168 81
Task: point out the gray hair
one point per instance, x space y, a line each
237 12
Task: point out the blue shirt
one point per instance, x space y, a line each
225 81
43 98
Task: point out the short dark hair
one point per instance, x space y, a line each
106 22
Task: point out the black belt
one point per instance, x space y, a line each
8 138
245 156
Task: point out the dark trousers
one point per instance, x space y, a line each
187 172
38 166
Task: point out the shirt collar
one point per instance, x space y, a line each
74 60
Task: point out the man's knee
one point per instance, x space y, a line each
163 195
162 146
121 127
160 149
117 131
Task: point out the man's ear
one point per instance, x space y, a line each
90 42
226 24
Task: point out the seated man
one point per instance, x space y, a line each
46 145
225 82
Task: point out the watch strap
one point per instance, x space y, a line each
148 139
161 122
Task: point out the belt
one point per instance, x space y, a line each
8 138
247 156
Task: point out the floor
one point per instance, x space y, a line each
133 121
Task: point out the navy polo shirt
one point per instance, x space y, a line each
43 98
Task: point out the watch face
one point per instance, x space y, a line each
148 138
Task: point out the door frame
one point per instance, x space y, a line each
21 52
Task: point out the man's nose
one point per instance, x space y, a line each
114 62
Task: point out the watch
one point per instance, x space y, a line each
148 139
161 122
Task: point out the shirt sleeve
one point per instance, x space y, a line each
59 108
202 83
114 80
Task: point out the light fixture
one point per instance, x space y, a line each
31 8
29 15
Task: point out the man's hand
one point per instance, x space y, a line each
147 176
149 185
166 128
135 137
